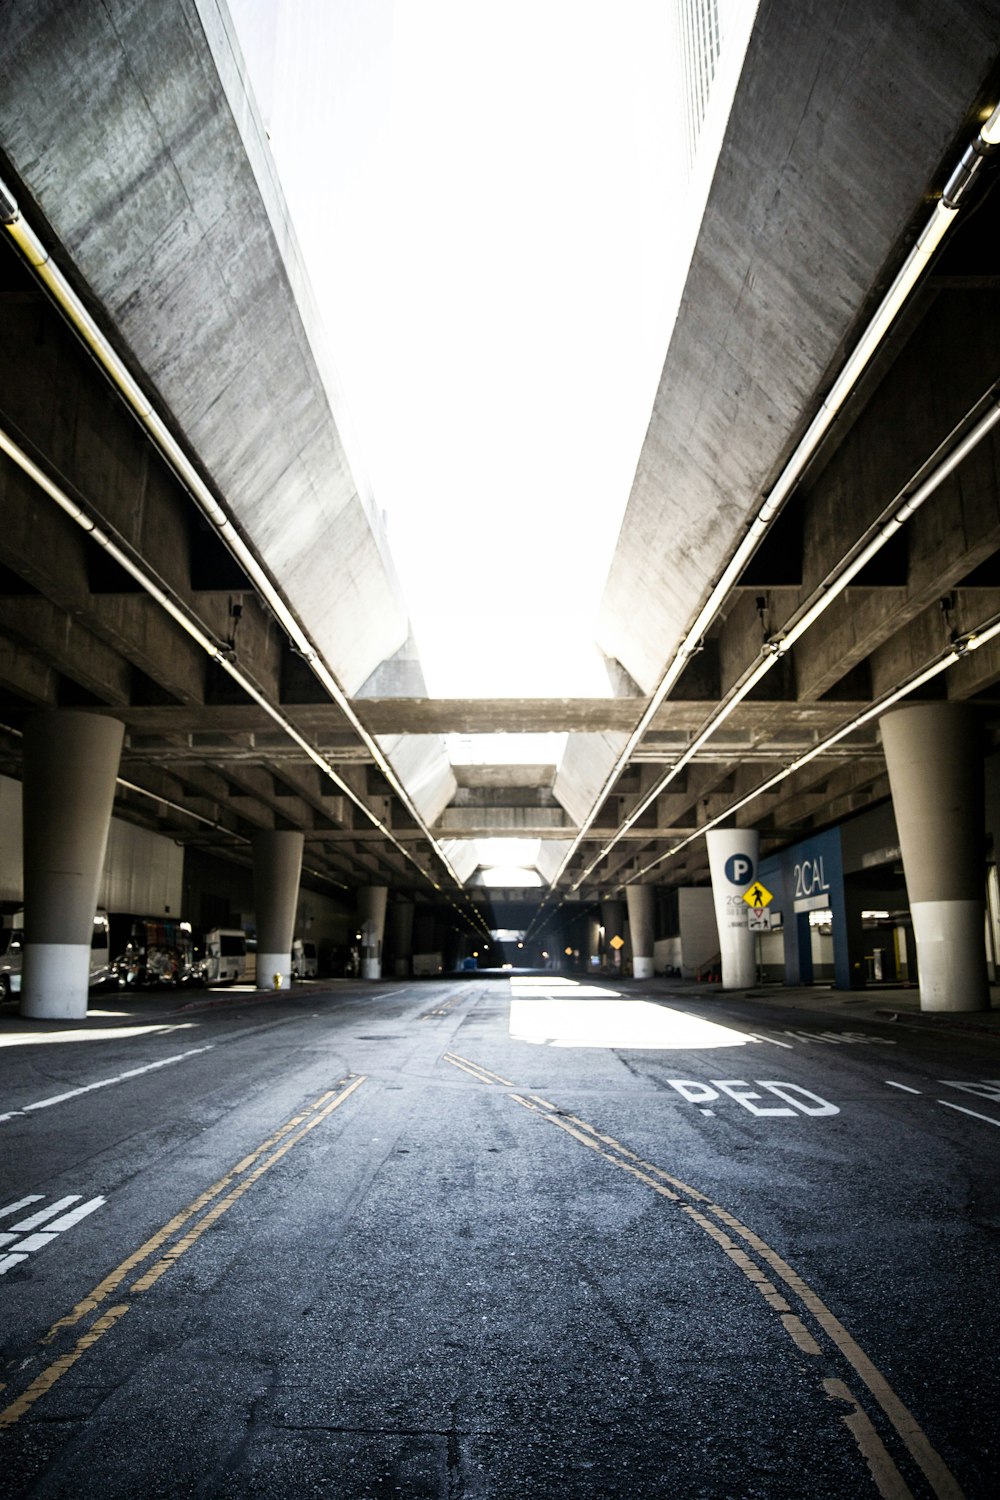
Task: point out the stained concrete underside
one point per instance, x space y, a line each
133 149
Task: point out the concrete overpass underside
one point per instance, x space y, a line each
133 151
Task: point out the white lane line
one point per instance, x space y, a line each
76 1214
52 1227
14 1208
105 1083
988 1118
904 1086
36 1242
754 1037
45 1214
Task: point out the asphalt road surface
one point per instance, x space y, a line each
503 1237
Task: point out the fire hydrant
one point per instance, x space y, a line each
276 979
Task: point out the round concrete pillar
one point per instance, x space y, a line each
277 866
732 861
371 921
613 922
934 757
70 765
641 928
593 952
401 937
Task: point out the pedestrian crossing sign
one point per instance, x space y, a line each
758 895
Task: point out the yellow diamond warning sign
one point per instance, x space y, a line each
617 942
758 895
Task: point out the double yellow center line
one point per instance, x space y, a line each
221 1196
725 1230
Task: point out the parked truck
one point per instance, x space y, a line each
226 957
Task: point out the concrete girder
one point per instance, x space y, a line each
743 371
28 676
493 822
148 162
62 643
920 640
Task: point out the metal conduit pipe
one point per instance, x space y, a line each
972 640
110 361
156 590
130 786
892 521
928 241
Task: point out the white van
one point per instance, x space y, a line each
12 948
225 955
305 962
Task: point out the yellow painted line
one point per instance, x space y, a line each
112 1281
933 1466
797 1330
181 1246
890 1482
483 1074
47 1379
543 1102
301 1124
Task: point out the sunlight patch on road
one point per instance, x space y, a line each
86 1034
585 1022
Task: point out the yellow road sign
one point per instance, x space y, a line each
758 895
617 942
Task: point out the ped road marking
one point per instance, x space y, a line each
104 1083
698 1209
289 1135
792 1093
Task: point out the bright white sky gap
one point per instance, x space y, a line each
491 199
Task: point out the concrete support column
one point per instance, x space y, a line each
641 921
401 937
593 944
371 921
732 860
70 765
613 922
934 757
277 865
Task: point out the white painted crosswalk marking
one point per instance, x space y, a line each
42 1227
15 1208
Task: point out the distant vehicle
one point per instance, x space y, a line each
305 962
159 951
11 945
12 951
101 968
427 963
226 956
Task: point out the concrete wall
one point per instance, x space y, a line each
143 871
697 943
11 875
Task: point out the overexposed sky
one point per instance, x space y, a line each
489 199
